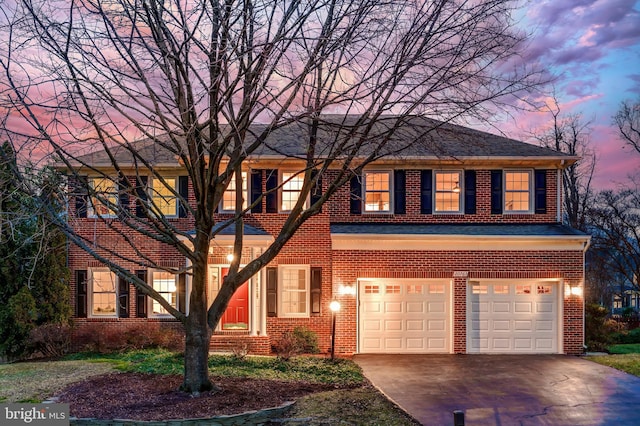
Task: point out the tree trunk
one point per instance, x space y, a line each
198 335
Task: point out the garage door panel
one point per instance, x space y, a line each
518 317
405 316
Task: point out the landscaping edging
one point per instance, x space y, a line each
247 418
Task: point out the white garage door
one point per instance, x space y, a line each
404 316
519 317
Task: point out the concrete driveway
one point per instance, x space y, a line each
506 389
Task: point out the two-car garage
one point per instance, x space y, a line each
415 316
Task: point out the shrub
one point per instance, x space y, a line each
103 338
627 336
307 339
51 340
598 329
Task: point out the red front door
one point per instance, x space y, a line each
236 317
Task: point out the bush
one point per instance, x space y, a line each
51 340
308 339
598 329
17 319
627 336
292 343
103 338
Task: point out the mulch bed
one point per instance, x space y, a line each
137 396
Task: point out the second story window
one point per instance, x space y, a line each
517 191
377 194
104 196
447 191
291 186
163 196
229 197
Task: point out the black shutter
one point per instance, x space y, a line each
399 192
272 193
316 289
81 294
272 292
82 197
426 192
355 191
141 193
256 190
470 192
141 298
123 196
540 191
183 190
496 192
182 293
123 298
316 191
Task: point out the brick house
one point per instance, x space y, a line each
426 253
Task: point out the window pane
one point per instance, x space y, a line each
479 289
447 191
500 289
377 196
229 196
517 192
294 291
290 192
165 284
163 196
103 288
105 195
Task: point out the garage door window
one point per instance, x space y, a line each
544 289
371 289
523 289
436 288
500 289
393 289
414 289
479 289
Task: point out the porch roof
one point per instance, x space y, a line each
470 229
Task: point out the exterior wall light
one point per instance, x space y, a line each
576 290
347 290
335 308
230 257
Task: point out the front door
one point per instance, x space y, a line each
236 317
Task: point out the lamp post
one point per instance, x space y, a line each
335 307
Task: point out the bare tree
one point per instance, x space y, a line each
616 235
628 121
571 134
209 82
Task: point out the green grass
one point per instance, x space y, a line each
632 348
629 363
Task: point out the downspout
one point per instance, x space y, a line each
559 204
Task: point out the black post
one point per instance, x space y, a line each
458 418
333 334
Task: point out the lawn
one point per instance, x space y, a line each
622 357
361 405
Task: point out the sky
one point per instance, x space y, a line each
592 47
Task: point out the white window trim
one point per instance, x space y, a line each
364 192
151 192
504 191
150 300
307 279
245 195
90 313
460 194
281 188
91 214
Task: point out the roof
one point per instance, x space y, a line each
470 229
220 229
412 137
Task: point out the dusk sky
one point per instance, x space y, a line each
593 47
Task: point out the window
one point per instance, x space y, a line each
229 196
377 194
294 291
523 289
163 196
436 288
371 289
414 289
517 191
103 292
392 289
500 289
291 186
104 196
479 289
544 289
447 191
164 283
